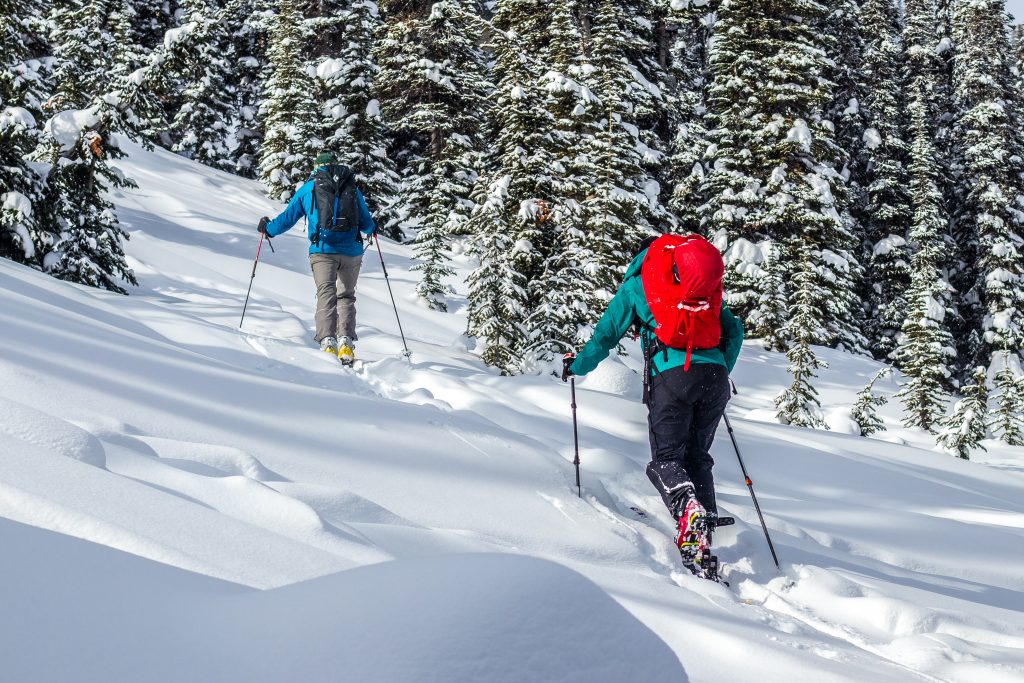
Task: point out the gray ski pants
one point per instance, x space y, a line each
335 276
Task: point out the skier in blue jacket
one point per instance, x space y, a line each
335 257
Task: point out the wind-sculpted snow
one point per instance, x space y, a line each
499 618
50 433
419 521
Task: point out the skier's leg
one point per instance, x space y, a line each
348 275
669 421
325 276
710 384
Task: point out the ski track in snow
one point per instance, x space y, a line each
249 456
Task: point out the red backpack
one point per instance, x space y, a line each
682 280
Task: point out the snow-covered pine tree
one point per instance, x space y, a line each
352 121
202 125
576 267
20 90
925 350
879 169
137 27
845 111
865 408
247 82
624 205
508 236
83 238
289 108
431 85
459 74
638 37
18 181
964 428
1018 58
773 169
686 169
990 206
1007 417
798 403
88 247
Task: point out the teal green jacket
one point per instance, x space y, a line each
630 304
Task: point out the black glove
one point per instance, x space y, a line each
567 361
263 225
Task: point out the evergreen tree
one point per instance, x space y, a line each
88 247
774 164
202 125
989 216
927 50
247 82
289 110
573 286
879 169
431 86
964 429
450 172
630 78
846 111
926 348
352 121
798 404
1007 420
689 143
83 238
19 106
509 238
864 409
625 205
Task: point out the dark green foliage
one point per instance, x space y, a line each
864 411
964 428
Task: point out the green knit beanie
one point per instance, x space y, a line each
325 158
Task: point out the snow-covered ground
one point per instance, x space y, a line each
231 505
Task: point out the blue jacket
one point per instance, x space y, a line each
629 304
302 204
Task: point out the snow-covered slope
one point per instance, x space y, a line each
419 522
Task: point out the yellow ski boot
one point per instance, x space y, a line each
346 352
329 345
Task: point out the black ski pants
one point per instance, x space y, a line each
684 409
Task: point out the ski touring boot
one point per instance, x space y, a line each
692 538
347 352
329 345
708 563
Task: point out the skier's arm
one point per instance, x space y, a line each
732 337
610 329
366 224
289 217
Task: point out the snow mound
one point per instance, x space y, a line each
50 434
497 618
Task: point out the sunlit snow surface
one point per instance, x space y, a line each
283 519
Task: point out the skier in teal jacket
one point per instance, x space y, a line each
684 406
629 305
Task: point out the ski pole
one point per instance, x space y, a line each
575 436
750 487
407 353
253 276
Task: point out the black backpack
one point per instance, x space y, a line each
337 208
